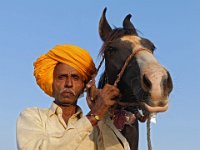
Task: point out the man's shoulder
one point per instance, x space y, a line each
34 112
32 118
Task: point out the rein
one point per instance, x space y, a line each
138 115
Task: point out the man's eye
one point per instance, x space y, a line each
61 77
75 77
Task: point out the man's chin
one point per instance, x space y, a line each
65 101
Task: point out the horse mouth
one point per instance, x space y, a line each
156 106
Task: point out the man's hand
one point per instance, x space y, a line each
103 100
92 93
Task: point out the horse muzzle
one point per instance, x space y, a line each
157 81
156 106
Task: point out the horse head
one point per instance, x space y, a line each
144 79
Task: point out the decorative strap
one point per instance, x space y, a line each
135 52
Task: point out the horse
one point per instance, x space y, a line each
130 65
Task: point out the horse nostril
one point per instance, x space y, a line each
167 84
147 83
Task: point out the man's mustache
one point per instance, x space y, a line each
68 91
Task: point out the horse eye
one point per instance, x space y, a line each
110 49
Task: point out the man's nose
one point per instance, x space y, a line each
69 82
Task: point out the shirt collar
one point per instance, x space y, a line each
55 109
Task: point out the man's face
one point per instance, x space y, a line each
68 84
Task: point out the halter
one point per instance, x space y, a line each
119 76
138 115
135 52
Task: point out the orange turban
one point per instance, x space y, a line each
71 55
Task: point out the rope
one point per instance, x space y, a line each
100 65
149 133
119 76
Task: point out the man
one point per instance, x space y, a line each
63 73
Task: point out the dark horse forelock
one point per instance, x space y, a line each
116 33
145 84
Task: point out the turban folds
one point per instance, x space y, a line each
71 55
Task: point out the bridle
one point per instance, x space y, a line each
121 73
129 58
138 115
134 53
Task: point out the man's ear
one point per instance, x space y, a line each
53 93
52 90
82 93
83 90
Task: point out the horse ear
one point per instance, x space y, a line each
104 27
128 25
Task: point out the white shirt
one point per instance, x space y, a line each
45 129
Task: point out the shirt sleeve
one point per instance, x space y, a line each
31 133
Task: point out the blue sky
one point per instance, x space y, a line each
30 28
